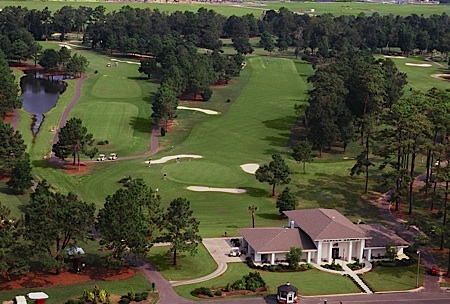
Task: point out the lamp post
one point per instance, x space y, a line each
418 268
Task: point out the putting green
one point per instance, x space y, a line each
110 124
110 85
204 173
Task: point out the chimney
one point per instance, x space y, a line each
291 224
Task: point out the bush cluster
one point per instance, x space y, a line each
333 266
356 265
278 267
395 263
103 142
202 291
134 296
252 282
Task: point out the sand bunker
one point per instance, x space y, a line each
167 158
396 57
130 62
209 189
423 65
66 45
445 77
250 168
210 112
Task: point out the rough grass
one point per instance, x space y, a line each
188 267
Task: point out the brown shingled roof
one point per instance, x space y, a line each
325 224
380 236
276 239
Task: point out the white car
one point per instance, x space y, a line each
101 157
234 252
112 156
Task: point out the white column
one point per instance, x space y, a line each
350 248
272 259
308 259
369 255
319 252
361 249
330 251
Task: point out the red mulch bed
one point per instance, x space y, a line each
4 177
235 293
46 279
8 118
75 169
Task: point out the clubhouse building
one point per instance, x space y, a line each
324 235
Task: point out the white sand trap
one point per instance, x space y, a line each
66 45
250 168
423 65
441 76
209 189
396 57
167 158
124 61
210 112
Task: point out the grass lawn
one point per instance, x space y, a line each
337 8
419 78
189 267
60 294
393 278
311 282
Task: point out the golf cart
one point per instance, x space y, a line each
234 252
112 156
101 157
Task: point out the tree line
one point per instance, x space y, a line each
55 222
144 31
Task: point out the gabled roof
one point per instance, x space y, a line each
276 239
325 224
380 236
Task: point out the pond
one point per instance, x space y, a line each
40 94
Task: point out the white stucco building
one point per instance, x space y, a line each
324 235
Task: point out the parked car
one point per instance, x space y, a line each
101 157
234 252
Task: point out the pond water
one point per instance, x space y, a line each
40 94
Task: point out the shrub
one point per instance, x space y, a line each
228 100
202 291
144 295
131 295
218 293
228 288
71 301
103 142
239 285
206 94
124 300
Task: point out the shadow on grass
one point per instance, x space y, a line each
143 125
282 123
268 216
256 192
344 194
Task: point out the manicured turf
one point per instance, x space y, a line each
419 78
394 278
114 86
337 8
60 294
311 282
188 267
